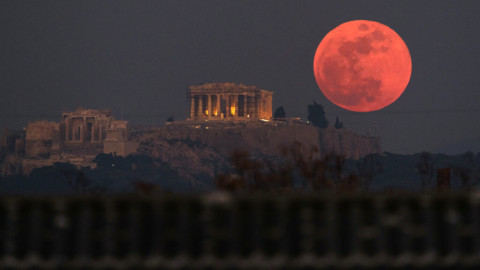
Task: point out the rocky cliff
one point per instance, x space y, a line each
205 149
266 140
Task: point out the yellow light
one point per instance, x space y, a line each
215 112
206 112
232 110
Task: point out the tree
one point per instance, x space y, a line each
316 115
469 172
170 119
338 124
279 113
111 161
69 174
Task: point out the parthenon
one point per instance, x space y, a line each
216 101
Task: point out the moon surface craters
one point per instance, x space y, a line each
362 66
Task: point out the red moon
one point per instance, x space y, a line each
362 66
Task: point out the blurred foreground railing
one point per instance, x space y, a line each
216 231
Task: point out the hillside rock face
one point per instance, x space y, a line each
194 162
205 150
268 140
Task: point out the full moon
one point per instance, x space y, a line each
362 66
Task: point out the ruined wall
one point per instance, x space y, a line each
7 140
122 148
42 139
12 142
117 131
116 140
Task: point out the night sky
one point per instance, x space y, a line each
138 58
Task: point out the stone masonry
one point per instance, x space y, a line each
218 101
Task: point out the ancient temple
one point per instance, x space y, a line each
231 101
80 132
86 125
93 129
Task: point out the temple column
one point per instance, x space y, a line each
218 106
94 130
209 105
257 106
269 107
223 106
92 133
67 126
244 112
200 106
235 101
83 130
192 106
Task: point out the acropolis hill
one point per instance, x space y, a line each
221 118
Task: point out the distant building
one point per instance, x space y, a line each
77 138
81 132
230 101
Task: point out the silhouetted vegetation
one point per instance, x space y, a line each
296 168
469 170
316 115
279 113
69 174
338 124
110 160
299 169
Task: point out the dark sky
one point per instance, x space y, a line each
58 55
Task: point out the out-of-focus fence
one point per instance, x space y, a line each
217 231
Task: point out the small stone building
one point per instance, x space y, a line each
81 132
86 125
42 139
218 101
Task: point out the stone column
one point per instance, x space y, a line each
218 106
269 107
67 127
192 106
209 105
92 133
258 100
236 105
83 130
223 107
94 129
200 106
244 97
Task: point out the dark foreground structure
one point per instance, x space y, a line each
217 231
